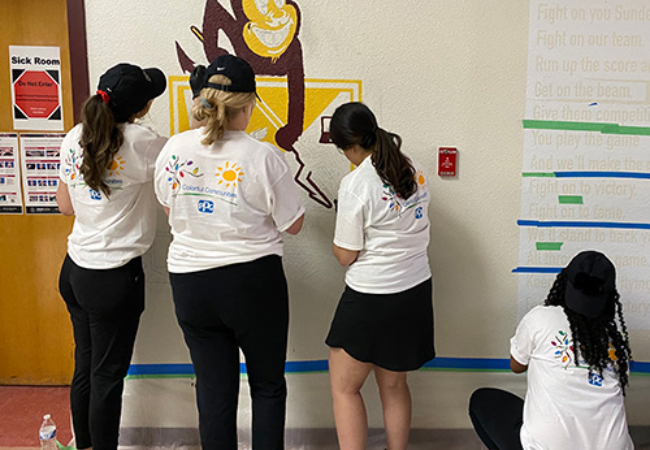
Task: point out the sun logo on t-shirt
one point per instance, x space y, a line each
419 178
229 174
116 165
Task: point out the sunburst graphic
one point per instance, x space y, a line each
419 178
229 174
116 165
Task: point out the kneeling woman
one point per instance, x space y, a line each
577 362
229 197
384 321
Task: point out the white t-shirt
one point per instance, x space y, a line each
110 231
566 407
228 202
391 234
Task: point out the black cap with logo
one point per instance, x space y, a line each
591 283
127 89
238 71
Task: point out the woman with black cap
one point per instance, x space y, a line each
229 198
106 172
384 320
577 359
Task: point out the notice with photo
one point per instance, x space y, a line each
586 163
40 155
11 199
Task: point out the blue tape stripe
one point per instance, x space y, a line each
602 175
569 224
537 270
322 366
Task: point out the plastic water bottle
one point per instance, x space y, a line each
47 433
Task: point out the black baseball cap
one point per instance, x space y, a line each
130 88
238 71
591 282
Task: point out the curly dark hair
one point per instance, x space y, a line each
593 338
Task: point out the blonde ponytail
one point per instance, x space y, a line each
219 107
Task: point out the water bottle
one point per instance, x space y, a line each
47 433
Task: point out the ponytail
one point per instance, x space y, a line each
100 139
392 166
218 107
354 124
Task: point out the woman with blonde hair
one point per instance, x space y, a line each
229 198
107 165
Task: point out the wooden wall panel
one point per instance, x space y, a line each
36 345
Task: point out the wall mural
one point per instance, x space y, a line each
266 34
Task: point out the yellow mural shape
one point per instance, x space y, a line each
272 26
271 112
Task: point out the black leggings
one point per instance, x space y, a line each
221 310
105 308
497 417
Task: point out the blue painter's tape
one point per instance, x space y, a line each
468 364
478 364
537 270
602 175
568 224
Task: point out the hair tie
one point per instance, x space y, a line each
206 104
104 95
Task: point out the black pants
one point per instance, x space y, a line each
221 310
105 308
497 417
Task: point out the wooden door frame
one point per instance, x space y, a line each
78 44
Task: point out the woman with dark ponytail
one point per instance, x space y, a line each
107 165
577 358
384 320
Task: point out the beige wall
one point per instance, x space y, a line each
440 73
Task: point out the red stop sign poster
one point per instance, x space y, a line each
37 94
36 88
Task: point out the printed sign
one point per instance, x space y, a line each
11 200
36 88
40 155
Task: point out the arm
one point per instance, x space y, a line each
296 226
344 256
63 199
516 367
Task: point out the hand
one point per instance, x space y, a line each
197 78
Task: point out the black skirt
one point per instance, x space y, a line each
392 331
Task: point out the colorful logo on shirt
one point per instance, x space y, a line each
95 195
206 206
229 174
389 195
178 170
72 163
419 212
563 348
595 379
115 166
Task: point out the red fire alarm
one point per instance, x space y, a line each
447 161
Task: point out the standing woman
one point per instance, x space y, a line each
229 197
107 165
384 321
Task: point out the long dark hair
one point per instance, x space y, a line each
101 138
592 337
354 124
